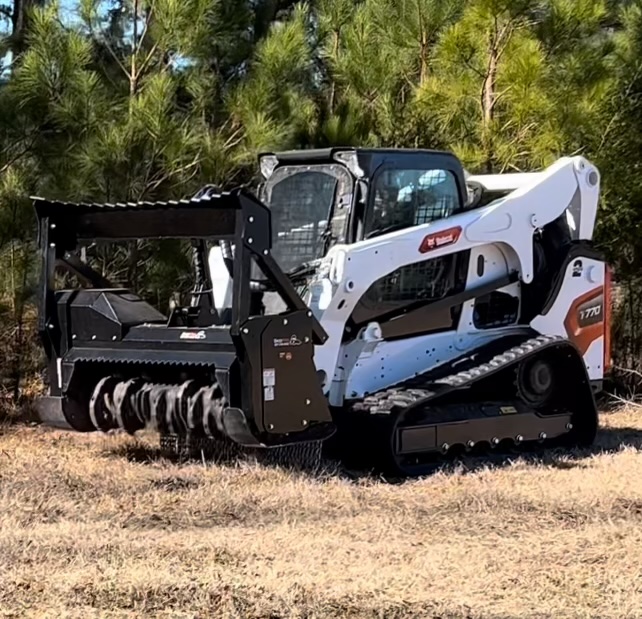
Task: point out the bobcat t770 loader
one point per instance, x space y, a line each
384 299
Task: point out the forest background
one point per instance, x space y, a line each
151 99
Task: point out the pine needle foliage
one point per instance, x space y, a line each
111 100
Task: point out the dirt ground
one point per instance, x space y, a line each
95 526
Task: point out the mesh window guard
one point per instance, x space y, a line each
404 198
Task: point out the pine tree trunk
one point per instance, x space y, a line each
333 84
423 71
489 96
133 74
20 22
19 318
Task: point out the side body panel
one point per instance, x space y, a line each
577 310
500 236
369 363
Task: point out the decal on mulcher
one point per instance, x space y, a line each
269 377
293 340
193 335
269 381
437 240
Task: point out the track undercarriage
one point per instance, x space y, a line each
423 422
511 398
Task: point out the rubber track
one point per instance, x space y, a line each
387 409
413 392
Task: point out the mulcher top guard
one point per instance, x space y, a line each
383 294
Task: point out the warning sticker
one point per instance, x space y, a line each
269 377
268 394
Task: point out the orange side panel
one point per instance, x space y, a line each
608 281
584 322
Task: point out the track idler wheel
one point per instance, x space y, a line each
536 384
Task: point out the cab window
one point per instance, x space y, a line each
404 198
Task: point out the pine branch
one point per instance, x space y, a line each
105 40
617 114
19 155
149 56
138 45
234 139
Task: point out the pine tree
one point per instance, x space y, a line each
497 92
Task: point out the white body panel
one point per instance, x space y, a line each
502 231
386 363
504 182
578 282
499 235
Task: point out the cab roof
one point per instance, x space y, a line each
371 160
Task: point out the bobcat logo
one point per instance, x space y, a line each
578 267
440 239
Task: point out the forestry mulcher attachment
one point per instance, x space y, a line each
383 299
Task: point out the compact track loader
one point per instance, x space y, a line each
382 301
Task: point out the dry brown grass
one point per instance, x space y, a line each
86 531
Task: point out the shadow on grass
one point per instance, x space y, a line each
139 452
609 441
144 453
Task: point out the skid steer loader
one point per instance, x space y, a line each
382 301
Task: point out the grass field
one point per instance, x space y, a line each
95 526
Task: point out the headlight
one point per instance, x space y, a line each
268 163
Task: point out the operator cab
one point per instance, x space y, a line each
319 198
324 197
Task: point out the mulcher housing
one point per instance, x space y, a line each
380 297
88 333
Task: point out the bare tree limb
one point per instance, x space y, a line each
617 398
628 371
105 40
